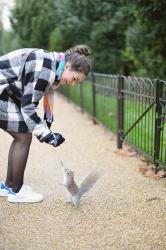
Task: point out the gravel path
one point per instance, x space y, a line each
124 211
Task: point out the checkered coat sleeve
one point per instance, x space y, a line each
37 78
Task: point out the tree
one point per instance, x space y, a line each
6 45
126 37
100 24
33 21
146 37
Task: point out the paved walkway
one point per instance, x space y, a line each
124 211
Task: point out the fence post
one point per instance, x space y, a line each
120 112
94 97
158 116
81 97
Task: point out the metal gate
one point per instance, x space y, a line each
141 116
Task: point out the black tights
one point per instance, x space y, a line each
17 159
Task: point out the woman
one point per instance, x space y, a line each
26 75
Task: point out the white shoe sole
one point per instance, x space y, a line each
19 199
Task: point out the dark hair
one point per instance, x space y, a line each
79 57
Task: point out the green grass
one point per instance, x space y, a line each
142 135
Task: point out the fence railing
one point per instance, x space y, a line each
132 107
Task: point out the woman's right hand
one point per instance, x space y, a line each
54 139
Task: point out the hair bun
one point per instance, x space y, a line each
82 50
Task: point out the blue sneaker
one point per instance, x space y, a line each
4 190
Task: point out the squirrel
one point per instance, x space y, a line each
75 191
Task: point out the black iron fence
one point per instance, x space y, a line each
132 107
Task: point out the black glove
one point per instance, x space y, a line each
53 139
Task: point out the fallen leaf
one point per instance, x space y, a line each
150 173
147 168
157 177
141 170
130 150
161 173
121 153
143 159
153 198
132 154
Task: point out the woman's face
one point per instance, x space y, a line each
70 77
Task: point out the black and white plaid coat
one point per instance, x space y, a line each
28 75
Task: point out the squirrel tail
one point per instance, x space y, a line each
90 180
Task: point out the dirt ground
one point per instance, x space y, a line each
124 211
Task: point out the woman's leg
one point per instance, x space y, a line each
18 155
9 178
